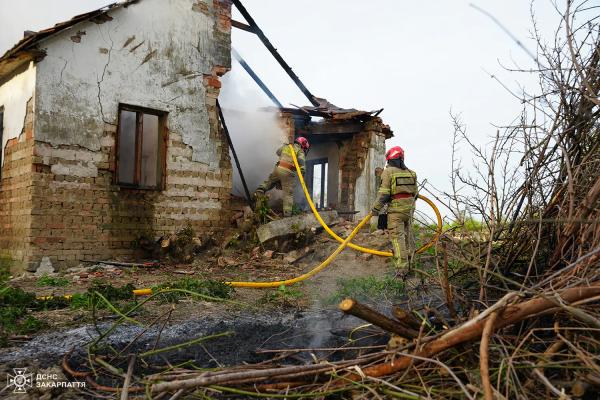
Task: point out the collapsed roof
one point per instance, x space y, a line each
26 49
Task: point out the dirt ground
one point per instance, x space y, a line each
240 264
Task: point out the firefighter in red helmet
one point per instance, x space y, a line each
399 190
284 173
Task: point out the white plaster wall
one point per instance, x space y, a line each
14 96
366 190
153 53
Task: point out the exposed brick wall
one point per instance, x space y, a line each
16 196
287 124
80 213
59 198
352 161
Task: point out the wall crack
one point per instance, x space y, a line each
99 82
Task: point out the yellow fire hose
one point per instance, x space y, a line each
352 245
312 272
324 264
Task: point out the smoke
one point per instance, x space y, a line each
320 332
255 130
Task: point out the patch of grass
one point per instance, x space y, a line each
15 304
368 288
80 300
52 281
110 292
199 286
113 294
10 296
14 321
468 225
287 296
5 263
30 325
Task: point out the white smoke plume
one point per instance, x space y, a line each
255 131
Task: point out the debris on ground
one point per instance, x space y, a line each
286 227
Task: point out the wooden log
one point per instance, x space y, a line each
406 318
353 307
473 329
150 264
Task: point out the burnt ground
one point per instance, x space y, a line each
304 317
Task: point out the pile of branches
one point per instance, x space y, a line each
557 206
537 185
513 359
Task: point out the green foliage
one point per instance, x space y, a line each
52 281
110 292
296 210
80 300
15 303
202 287
10 296
5 263
287 296
431 251
13 320
89 299
468 224
30 325
368 288
262 209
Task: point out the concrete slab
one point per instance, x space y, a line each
290 225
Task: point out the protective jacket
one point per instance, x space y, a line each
398 188
287 161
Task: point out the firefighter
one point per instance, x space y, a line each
399 190
284 173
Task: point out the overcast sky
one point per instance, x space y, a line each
416 59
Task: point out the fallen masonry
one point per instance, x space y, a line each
291 225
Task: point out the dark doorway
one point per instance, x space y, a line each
316 174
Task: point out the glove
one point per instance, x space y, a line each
374 212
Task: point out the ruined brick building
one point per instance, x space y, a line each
109 132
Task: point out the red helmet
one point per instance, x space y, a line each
303 142
394 152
